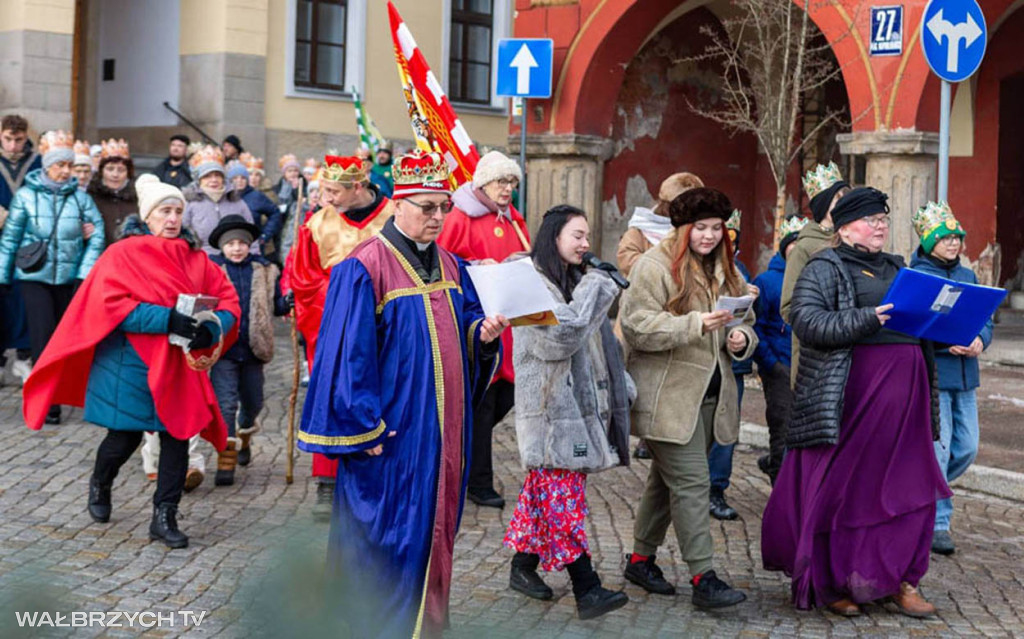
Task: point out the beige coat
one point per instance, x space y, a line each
672 361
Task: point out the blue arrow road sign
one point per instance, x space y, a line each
954 38
525 67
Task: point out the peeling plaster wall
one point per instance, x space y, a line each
655 134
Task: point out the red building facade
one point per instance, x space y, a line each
618 121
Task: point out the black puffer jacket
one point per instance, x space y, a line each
828 324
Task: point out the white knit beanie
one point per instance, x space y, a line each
152 192
494 166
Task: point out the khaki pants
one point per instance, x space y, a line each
677 493
151 453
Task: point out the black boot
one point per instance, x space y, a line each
719 508
648 576
524 577
53 415
592 600
165 526
99 501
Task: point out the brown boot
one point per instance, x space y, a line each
911 603
226 460
844 608
245 441
193 478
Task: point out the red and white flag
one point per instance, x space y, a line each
433 119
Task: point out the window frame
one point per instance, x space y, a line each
354 53
501 27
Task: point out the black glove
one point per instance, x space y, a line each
181 324
203 338
289 300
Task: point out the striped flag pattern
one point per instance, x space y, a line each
434 122
369 136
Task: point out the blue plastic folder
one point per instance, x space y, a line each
932 307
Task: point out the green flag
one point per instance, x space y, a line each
369 136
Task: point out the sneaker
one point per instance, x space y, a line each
21 368
486 497
599 601
648 576
942 543
720 509
712 592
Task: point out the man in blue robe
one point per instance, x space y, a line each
404 351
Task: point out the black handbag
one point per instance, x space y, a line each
32 256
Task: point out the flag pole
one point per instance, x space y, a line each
293 399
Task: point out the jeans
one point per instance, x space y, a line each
720 457
957 445
239 389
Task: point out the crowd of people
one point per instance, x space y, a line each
407 377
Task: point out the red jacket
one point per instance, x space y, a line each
474 232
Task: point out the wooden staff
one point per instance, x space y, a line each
294 398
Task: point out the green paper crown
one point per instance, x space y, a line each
734 220
820 178
934 221
792 225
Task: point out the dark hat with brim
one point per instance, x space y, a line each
232 227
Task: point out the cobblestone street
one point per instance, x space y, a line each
256 554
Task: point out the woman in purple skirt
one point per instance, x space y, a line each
850 518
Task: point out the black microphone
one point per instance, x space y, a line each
598 263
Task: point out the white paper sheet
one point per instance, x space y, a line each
740 307
513 289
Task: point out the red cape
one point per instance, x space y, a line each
136 269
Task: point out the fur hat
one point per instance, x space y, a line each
672 187
700 203
152 192
494 166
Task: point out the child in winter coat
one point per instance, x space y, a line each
957 365
238 375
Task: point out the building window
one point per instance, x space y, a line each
320 44
470 51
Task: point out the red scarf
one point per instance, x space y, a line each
136 269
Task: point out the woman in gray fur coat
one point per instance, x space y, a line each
572 416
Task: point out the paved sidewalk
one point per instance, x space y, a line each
256 556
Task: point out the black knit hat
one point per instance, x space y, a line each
231 223
861 202
699 204
181 137
819 203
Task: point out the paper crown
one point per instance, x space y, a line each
344 170
420 172
208 154
114 148
287 160
82 153
310 166
56 140
314 182
733 223
792 225
934 221
252 163
820 178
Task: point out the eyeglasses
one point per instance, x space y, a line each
430 207
950 239
877 221
505 183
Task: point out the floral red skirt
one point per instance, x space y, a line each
549 517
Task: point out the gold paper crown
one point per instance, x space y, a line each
207 154
114 148
194 148
792 225
343 170
82 147
420 168
934 216
310 165
734 220
822 177
52 140
252 163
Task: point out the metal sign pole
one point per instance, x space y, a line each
522 155
944 108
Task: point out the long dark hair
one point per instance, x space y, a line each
545 249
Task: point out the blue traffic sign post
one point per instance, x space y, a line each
954 37
525 68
